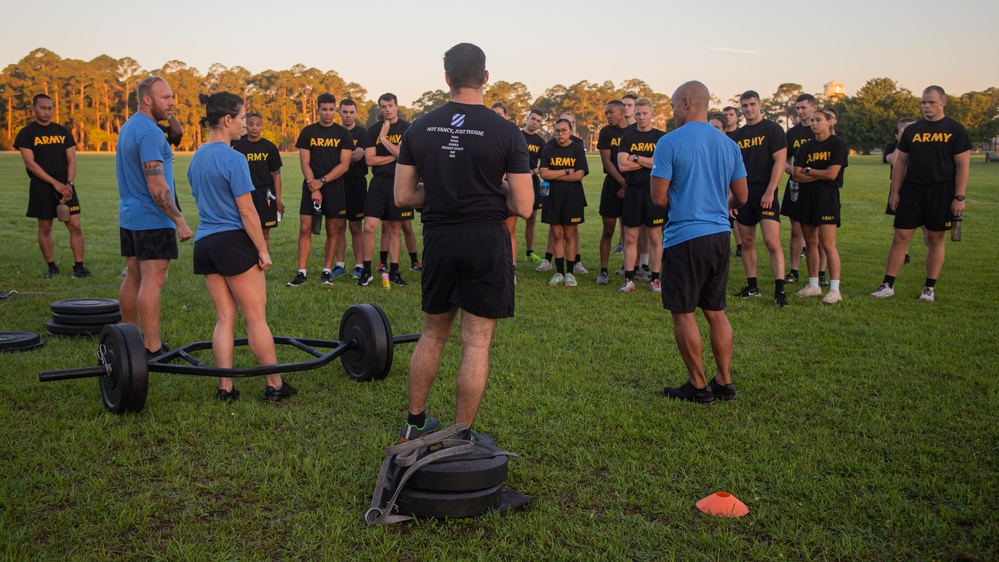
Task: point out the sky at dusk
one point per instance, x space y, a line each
396 46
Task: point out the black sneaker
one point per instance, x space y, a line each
790 278
907 260
163 349
780 299
416 266
382 268
277 394
299 279
410 432
479 438
326 278
396 278
724 391
81 272
738 252
748 291
52 272
823 282
689 393
364 279
224 396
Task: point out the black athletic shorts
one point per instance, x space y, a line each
334 204
752 213
564 204
266 204
786 205
639 209
43 200
356 190
537 191
925 205
156 244
695 274
468 266
817 205
380 201
226 253
611 206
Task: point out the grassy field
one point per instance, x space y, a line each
863 431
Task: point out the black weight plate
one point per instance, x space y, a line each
391 344
84 306
125 389
57 329
420 503
15 340
478 470
362 327
36 345
97 319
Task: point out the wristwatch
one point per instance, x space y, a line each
322 180
71 184
568 171
808 171
959 197
634 158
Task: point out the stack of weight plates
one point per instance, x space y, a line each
461 486
82 317
20 341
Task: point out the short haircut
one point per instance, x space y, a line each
536 111
465 64
218 105
905 121
629 96
940 91
142 90
326 98
806 97
616 103
720 117
500 105
347 101
730 108
643 101
34 100
566 121
749 94
388 96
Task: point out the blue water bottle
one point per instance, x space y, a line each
545 188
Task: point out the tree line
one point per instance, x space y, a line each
93 99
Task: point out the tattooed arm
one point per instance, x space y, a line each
163 197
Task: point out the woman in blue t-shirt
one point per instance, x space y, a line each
229 247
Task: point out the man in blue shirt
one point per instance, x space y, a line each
699 174
148 218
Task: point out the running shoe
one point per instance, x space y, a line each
338 271
416 266
780 299
396 278
884 291
326 278
578 269
603 278
809 291
832 297
411 432
627 287
381 267
738 252
299 279
535 258
927 295
227 396
823 282
557 279
643 274
620 271
52 272
724 391
748 291
908 259
81 272
656 286
277 394
480 438
790 278
364 279
617 249
689 393
357 273
570 280
545 265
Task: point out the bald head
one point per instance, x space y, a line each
690 103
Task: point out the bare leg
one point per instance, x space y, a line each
249 291
810 235
795 246
606 237
630 251
357 241
934 253
722 342
655 249
476 339
304 240
827 238
395 229
370 229
426 358
896 253
748 234
771 237
571 241
530 225
152 277
557 234
334 232
75 237
511 226
688 342
407 230
45 239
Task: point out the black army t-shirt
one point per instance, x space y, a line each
358 169
558 157
635 142
758 143
395 133
535 144
263 159
821 155
609 138
797 136
49 144
931 146
461 153
324 145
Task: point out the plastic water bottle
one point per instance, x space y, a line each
794 191
317 218
385 282
955 228
545 188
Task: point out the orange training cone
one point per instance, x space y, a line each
722 504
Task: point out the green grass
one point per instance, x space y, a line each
863 431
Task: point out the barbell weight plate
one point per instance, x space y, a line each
85 306
59 329
391 344
96 319
15 341
125 388
421 503
478 470
362 325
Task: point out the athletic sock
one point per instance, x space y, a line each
890 281
813 281
778 285
834 285
822 275
530 253
382 256
52 265
341 264
394 267
931 282
751 282
367 267
549 256
78 265
738 247
629 274
303 272
417 420
326 270
560 265
413 258
570 265
655 275
603 270
579 258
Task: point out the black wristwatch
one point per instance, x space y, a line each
959 197
322 180
634 158
568 171
71 184
808 171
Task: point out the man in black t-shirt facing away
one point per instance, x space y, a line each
355 184
451 163
324 152
535 143
264 160
928 183
612 193
380 152
797 135
764 152
49 153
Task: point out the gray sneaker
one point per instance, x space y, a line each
603 278
578 269
545 265
884 291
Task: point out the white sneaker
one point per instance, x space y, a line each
832 297
655 286
578 269
927 295
885 291
809 291
627 287
545 265
557 279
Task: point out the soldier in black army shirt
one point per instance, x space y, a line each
797 135
612 193
264 160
